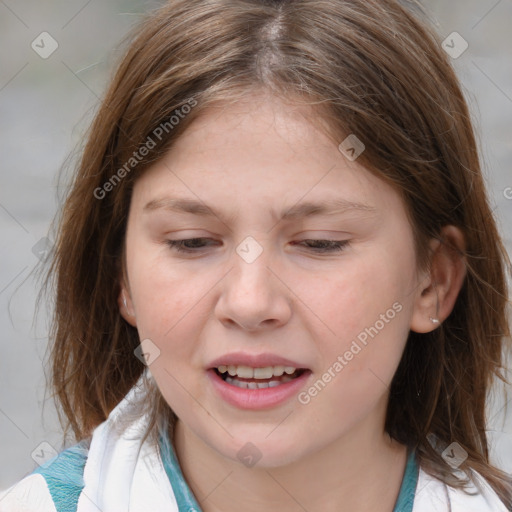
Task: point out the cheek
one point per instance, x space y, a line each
353 297
365 310
171 308
170 301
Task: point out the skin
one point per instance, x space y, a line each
245 161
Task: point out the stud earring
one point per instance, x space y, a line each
434 320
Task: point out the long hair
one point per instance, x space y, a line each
372 68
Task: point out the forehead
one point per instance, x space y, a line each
258 153
260 113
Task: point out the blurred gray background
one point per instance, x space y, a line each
47 103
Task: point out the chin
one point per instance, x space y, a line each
257 451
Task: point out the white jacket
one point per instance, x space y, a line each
120 475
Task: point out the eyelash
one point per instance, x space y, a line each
332 245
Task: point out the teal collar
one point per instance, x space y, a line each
407 492
184 497
188 503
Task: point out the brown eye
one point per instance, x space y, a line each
326 245
186 245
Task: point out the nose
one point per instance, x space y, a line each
253 296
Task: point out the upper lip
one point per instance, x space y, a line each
253 360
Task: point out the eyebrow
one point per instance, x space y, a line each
300 210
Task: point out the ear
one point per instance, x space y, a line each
442 283
125 304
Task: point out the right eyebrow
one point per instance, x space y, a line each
300 210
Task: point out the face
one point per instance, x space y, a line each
330 290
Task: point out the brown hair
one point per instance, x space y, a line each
370 68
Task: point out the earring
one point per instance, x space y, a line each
124 302
434 320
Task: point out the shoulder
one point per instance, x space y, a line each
54 486
28 495
115 469
433 494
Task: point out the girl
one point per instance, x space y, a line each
279 284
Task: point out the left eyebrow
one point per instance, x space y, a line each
300 210
326 207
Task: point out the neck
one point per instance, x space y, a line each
359 472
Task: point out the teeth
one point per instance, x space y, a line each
257 385
278 371
263 373
246 372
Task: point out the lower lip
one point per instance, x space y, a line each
257 398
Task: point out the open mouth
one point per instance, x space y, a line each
246 377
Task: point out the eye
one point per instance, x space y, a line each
326 245
179 245
190 245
